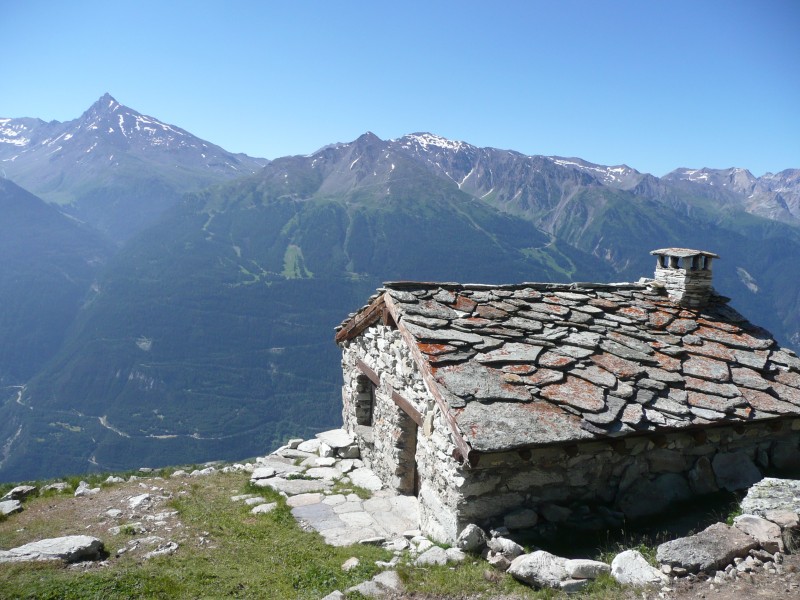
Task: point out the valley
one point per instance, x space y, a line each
176 302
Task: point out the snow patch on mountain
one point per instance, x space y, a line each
430 141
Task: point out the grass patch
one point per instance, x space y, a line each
248 556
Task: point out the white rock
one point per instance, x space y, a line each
366 479
539 569
309 446
69 549
263 509
585 569
165 550
432 556
8 507
631 568
766 532
262 473
19 493
336 438
179 473
85 490
138 501
505 546
350 564
114 479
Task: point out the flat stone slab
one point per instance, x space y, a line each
767 533
772 494
326 473
366 479
713 548
292 487
336 438
70 548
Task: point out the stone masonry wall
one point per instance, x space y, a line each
393 446
597 484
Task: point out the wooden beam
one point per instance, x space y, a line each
407 408
366 370
461 444
362 320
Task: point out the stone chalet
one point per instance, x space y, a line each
581 404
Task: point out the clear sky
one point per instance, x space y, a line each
654 84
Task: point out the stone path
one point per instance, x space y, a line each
347 519
318 478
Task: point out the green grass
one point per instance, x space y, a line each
266 556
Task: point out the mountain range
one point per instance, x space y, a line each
197 324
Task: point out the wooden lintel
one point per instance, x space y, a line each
361 321
462 446
366 370
407 408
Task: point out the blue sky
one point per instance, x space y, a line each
654 84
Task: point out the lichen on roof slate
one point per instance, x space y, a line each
535 364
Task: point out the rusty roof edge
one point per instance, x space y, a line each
463 446
366 316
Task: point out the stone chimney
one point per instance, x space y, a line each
686 275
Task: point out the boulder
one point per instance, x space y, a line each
70 548
471 539
713 548
432 556
9 507
767 533
85 490
772 494
539 569
59 486
585 569
19 493
631 568
734 471
507 547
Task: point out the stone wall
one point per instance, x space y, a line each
597 484
590 484
393 446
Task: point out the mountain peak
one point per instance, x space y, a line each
431 141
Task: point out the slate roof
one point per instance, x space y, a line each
534 364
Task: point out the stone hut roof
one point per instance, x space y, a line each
516 366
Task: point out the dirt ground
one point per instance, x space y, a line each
132 519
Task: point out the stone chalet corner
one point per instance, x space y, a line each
537 405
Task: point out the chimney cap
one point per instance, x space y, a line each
683 252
